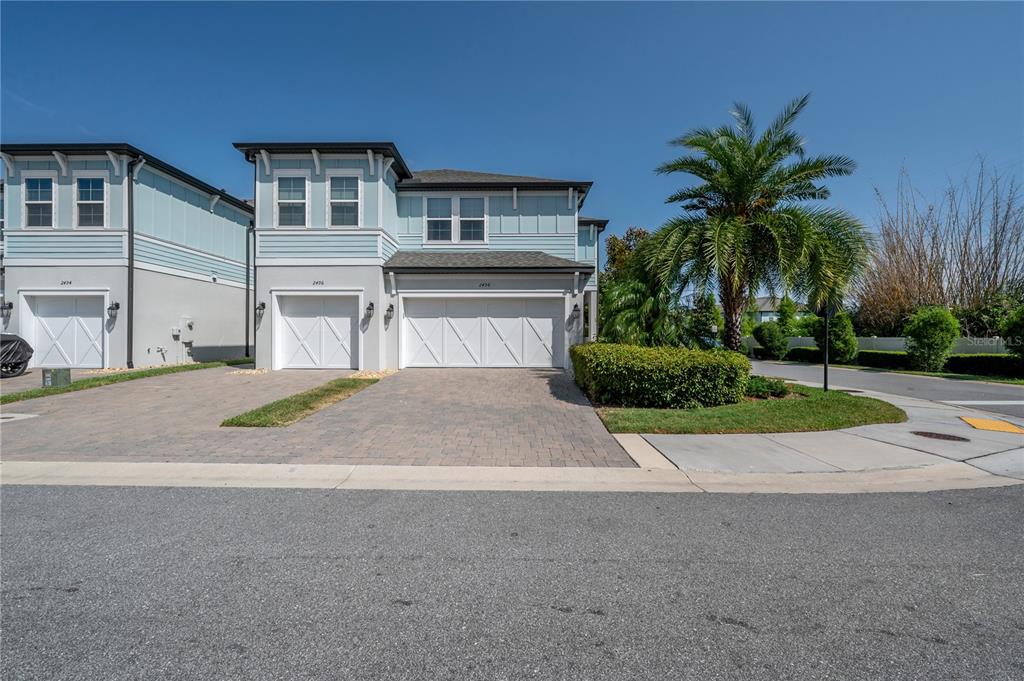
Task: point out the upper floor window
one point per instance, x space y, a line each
344 201
439 219
89 201
471 219
39 202
291 201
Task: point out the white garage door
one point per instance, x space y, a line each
482 332
318 332
67 331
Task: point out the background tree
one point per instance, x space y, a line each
787 315
964 251
746 225
619 250
703 321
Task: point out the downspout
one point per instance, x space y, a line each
255 202
248 265
130 303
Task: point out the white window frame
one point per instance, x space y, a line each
274 188
344 172
457 221
35 175
91 174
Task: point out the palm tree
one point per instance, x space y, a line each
746 225
639 309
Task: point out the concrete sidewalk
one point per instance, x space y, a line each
933 434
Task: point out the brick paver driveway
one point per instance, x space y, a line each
491 417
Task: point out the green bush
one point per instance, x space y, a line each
930 334
810 355
842 342
771 337
804 326
659 377
884 359
980 364
763 387
1013 332
787 315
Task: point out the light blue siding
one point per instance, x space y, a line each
326 244
64 202
171 211
388 248
560 245
586 244
317 195
389 220
410 216
187 260
83 245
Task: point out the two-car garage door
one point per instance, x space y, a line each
483 332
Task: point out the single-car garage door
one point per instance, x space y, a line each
67 331
318 332
483 332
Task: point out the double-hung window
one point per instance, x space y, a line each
291 201
471 219
344 201
89 201
38 202
439 219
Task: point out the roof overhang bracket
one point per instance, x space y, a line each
316 160
369 159
62 160
388 162
394 286
515 198
8 165
139 162
265 155
570 206
115 162
213 201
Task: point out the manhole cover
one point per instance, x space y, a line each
940 436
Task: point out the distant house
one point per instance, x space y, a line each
766 309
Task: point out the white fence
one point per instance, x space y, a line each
963 346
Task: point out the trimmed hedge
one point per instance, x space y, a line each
811 355
884 359
1009 366
763 387
660 377
770 337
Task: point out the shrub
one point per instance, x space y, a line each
1013 332
772 339
810 355
763 387
787 315
804 326
884 359
842 342
930 334
660 377
1009 366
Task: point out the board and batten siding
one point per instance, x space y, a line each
78 245
166 255
317 195
324 244
64 204
173 212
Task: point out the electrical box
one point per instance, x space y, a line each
187 330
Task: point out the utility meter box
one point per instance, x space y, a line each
187 330
53 378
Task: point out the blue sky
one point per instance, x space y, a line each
580 90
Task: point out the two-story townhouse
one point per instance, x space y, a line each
115 258
363 263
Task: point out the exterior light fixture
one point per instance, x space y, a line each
112 309
369 311
7 307
575 311
389 313
261 307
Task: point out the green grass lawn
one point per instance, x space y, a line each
805 410
296 407
104 379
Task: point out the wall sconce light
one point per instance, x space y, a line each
389 313
369 311
7 307
575 312
261 307
112 309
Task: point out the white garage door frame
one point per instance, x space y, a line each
505 294
27 326
320 292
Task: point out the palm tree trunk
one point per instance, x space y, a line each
733 306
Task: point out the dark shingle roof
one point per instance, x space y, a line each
510 261
469 179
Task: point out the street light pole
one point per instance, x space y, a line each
828 314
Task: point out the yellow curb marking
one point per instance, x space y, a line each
992 424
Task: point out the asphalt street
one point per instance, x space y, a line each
907 385
160 583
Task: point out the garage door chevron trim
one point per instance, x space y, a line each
315 330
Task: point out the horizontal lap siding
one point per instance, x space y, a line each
166 255
61 246
317 245
560 245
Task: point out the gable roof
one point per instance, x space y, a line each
448 178
124 149
491 261
383 148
